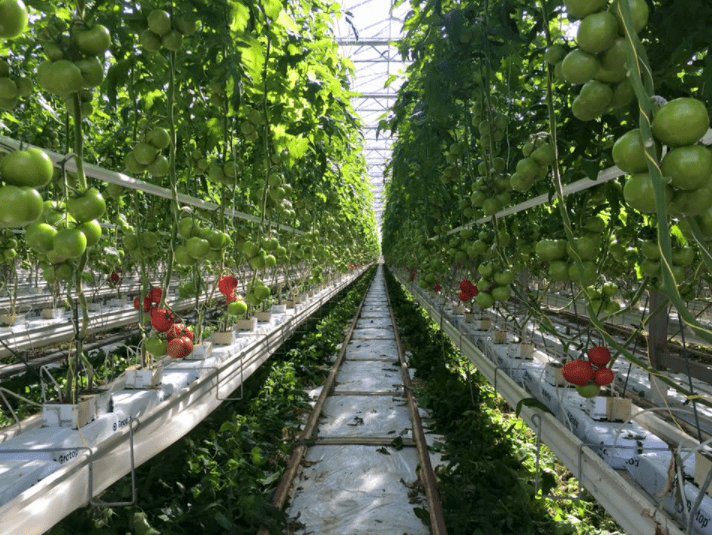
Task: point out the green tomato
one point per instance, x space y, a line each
640 194
21 206
92 231
550 250
585 247
683 257
590 390
62 78
94 41
688 167
504 278
559 270
485 270
70 243
682 121
31 167
578 67
156 346
501 293
159 22
92 71
597 32
650 250
13 18
86 207
578 9
587 276
609 289
183 257
237 308
485 299
197 247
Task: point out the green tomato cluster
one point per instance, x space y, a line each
22 172
199 244
166 32
8 246
687 165
75 61
599 62
12 88
533 167
146 155
494 285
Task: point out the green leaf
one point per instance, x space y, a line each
252 56
224 521
530 402
591 168
272 8
397 443
240 17
422 514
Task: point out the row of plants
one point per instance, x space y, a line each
240 104
486 481
507 100
103 367
161 327
220 477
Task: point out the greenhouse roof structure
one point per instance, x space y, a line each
367 34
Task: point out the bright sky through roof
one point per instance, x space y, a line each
374 61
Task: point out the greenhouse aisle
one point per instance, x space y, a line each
355 479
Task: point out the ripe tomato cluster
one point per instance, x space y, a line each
590 375
179 339
467 291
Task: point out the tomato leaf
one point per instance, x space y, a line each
422 514
224 521
530 402
591 168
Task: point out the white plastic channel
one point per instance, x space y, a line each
633 511
43 505
42 333
126 181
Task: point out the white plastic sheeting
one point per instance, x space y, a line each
352 489
357 490
365 416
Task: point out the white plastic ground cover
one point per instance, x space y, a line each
361 490
357 490
373 349
35 509
631 507
374 333
650 470
380 416
366 375
384 322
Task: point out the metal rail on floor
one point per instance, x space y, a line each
307 434
437 520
